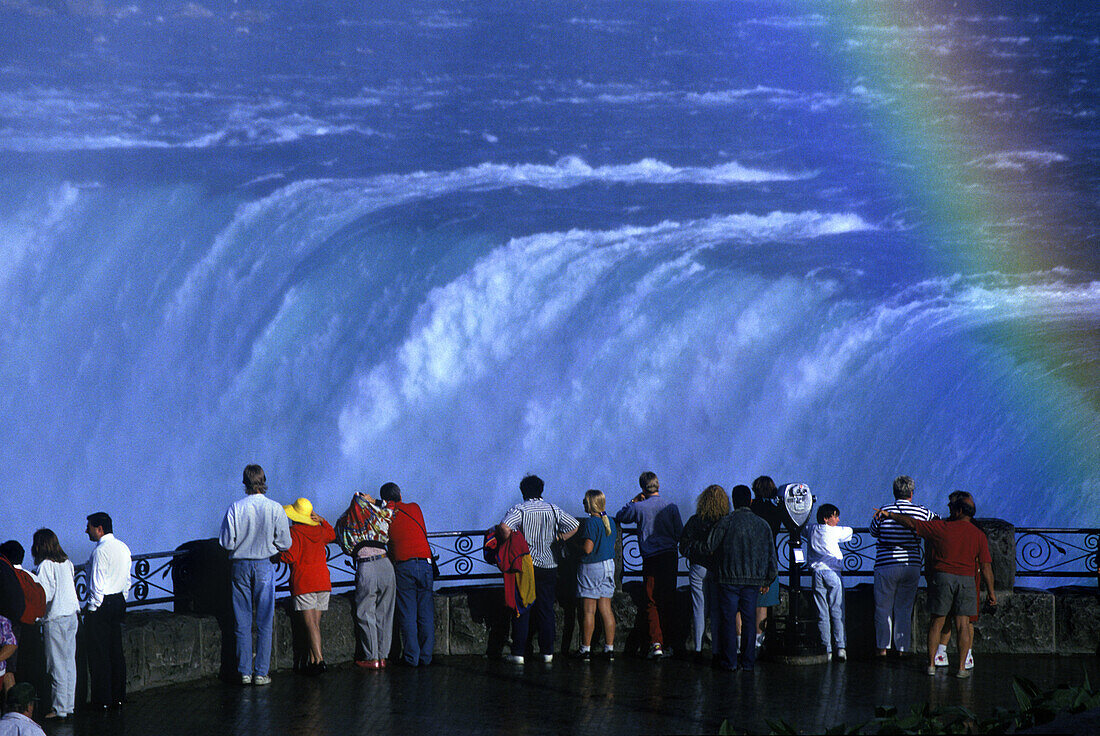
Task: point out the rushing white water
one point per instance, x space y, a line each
468 242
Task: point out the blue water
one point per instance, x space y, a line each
447 244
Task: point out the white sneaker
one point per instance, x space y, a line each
513 658
941 659
842 655
548 658
969 660
261 680
246 679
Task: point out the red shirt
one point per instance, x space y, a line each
308 558
957 546
408 535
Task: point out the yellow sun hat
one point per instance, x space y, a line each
300 511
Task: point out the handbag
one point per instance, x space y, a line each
564 552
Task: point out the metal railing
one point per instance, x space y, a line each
1041 553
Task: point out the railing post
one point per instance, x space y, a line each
1002 548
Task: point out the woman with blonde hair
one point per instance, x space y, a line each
712 505
596 574
56 576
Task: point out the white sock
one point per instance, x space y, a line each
942 649
608 648
585 648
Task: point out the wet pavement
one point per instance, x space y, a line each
476 695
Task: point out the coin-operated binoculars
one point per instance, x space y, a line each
800 642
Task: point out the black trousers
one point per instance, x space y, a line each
542 610
106 664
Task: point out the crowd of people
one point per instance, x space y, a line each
730 547
729 544
48 597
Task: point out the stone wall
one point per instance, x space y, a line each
164 648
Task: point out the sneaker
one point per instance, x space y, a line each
547 658
962 674
585 655
261 680
246 679
842 655
941 659
931 669
969 660
655 652
609 655
513 658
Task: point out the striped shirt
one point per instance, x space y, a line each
896 544
540 521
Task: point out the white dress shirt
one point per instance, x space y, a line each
56 578
108 570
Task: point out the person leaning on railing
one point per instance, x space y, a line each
412 569
310 584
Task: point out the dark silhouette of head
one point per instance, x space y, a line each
44 546
102 520
531 487
254 479
826 511
742 496
13 551
389 492
764 487
961 503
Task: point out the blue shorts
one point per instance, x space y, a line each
596 579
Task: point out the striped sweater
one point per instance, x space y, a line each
896 544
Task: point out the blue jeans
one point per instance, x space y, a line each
895 591
829 597
253 588
415 610
734 599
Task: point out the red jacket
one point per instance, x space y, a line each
308 558
408 537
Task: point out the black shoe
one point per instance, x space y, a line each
609 655
586 656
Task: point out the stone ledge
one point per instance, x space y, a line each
165 648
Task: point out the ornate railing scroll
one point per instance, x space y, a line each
1057 553
150 572
1062 554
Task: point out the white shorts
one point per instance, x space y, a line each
312 601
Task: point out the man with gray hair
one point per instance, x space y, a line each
897 569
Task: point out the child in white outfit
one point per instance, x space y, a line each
827 562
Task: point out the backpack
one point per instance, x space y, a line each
35 596
490 546
12 599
